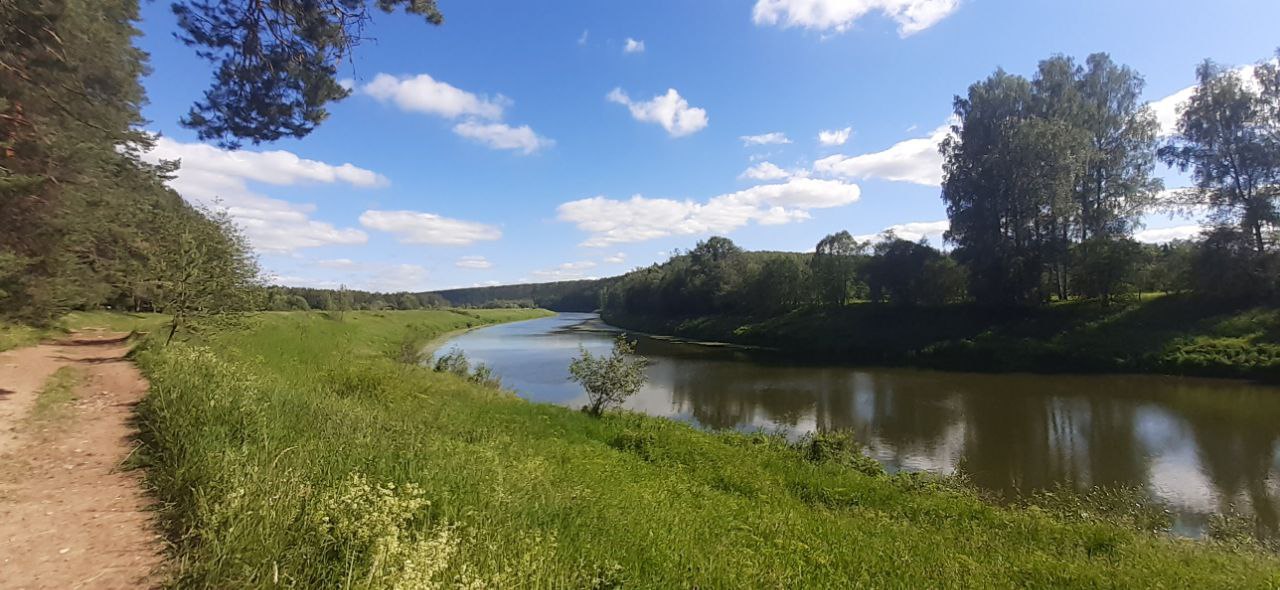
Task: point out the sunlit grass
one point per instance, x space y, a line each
299 453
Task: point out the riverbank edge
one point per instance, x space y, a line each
1187 345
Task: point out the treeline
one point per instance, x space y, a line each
581 295
86 223
718 278
1045 181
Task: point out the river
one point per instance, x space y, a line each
1201 446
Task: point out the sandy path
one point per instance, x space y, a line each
69 517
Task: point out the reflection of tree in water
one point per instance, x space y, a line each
1038 432
911 415
1018 432
730 395
1236 438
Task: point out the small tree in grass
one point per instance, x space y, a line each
609 380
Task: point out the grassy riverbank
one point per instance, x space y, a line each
1171 334
300 453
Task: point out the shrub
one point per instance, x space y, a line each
609 380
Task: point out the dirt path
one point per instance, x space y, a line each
69 516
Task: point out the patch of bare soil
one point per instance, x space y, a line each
70 515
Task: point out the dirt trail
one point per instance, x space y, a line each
70 517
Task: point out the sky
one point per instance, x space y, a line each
540 141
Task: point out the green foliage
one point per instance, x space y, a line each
276 61
609 380
457 363
1035 166
840 448
267 477
912 273
1172 334
1229 138
87 224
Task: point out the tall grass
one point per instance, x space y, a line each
302 454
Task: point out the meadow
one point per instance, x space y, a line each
302 452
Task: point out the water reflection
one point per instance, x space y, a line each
1203 446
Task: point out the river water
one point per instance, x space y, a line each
1201 446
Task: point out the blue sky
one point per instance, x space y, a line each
526 141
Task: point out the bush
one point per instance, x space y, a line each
609 380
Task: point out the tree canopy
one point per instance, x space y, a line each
276 63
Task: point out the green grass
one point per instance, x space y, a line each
18 336
298 453
57 394
1170 334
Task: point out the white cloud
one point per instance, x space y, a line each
413 227
912 16
1169 109
582 39
566 271
912 231
501 136
913 160
220 178
834 136
336 263
473 262
765 171
1168 234
618 258
669 110
424 94
777 137
611 221
633 46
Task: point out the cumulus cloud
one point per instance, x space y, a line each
481 115
777 137
424 94
501 136
413 227
669 110
834 136
219 178
1168 234
912 231
618 258
765 171
611 221
912 16
473 262
633 46
913 160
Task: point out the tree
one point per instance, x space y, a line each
910 273
1229 138
609 380
207 277
276 61
835 267
1036 166
1107 268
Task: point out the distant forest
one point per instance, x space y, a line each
569 296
